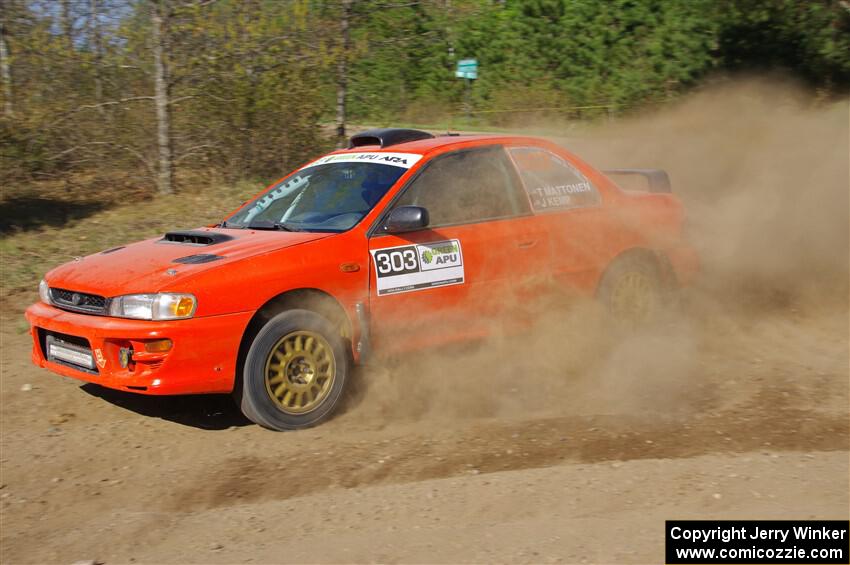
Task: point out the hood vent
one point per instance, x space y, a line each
195 237
113 250
198 259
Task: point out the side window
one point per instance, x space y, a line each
551 182
467 186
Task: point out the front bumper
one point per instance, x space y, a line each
202 358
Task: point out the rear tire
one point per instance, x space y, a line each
295 372
632 291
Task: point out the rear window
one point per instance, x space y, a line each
551 182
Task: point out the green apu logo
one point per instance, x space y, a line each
440 254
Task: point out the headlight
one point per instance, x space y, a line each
163 306
44 291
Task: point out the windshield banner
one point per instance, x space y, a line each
404 160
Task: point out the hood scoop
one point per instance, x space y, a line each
190 237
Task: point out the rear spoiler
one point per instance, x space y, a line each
656 179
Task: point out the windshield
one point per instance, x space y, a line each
329 197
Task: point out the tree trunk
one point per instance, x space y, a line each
5 73
67 25
96 46
161 100
248 124
342 73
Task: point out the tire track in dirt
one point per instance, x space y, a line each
489 447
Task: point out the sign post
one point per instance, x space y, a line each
467 69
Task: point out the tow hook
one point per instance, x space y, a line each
125 354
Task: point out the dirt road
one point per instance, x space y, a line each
95 474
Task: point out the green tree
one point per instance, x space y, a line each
810 39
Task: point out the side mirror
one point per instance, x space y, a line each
406 218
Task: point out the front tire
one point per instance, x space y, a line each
295 372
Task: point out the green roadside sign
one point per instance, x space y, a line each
467 68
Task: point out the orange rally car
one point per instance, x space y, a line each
401 241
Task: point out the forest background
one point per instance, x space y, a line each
109 101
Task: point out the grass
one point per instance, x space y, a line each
27 254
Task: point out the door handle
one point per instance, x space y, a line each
527 244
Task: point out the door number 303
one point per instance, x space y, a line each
398 261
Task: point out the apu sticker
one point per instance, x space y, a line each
418 266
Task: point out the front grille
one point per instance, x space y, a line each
79 301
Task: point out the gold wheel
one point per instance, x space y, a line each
300 372
633 297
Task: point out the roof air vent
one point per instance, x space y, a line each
385 137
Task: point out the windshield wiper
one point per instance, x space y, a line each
225 225
269 225
286 227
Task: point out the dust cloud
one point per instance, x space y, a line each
762 167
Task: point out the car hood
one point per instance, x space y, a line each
150 265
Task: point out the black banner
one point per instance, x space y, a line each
757 541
